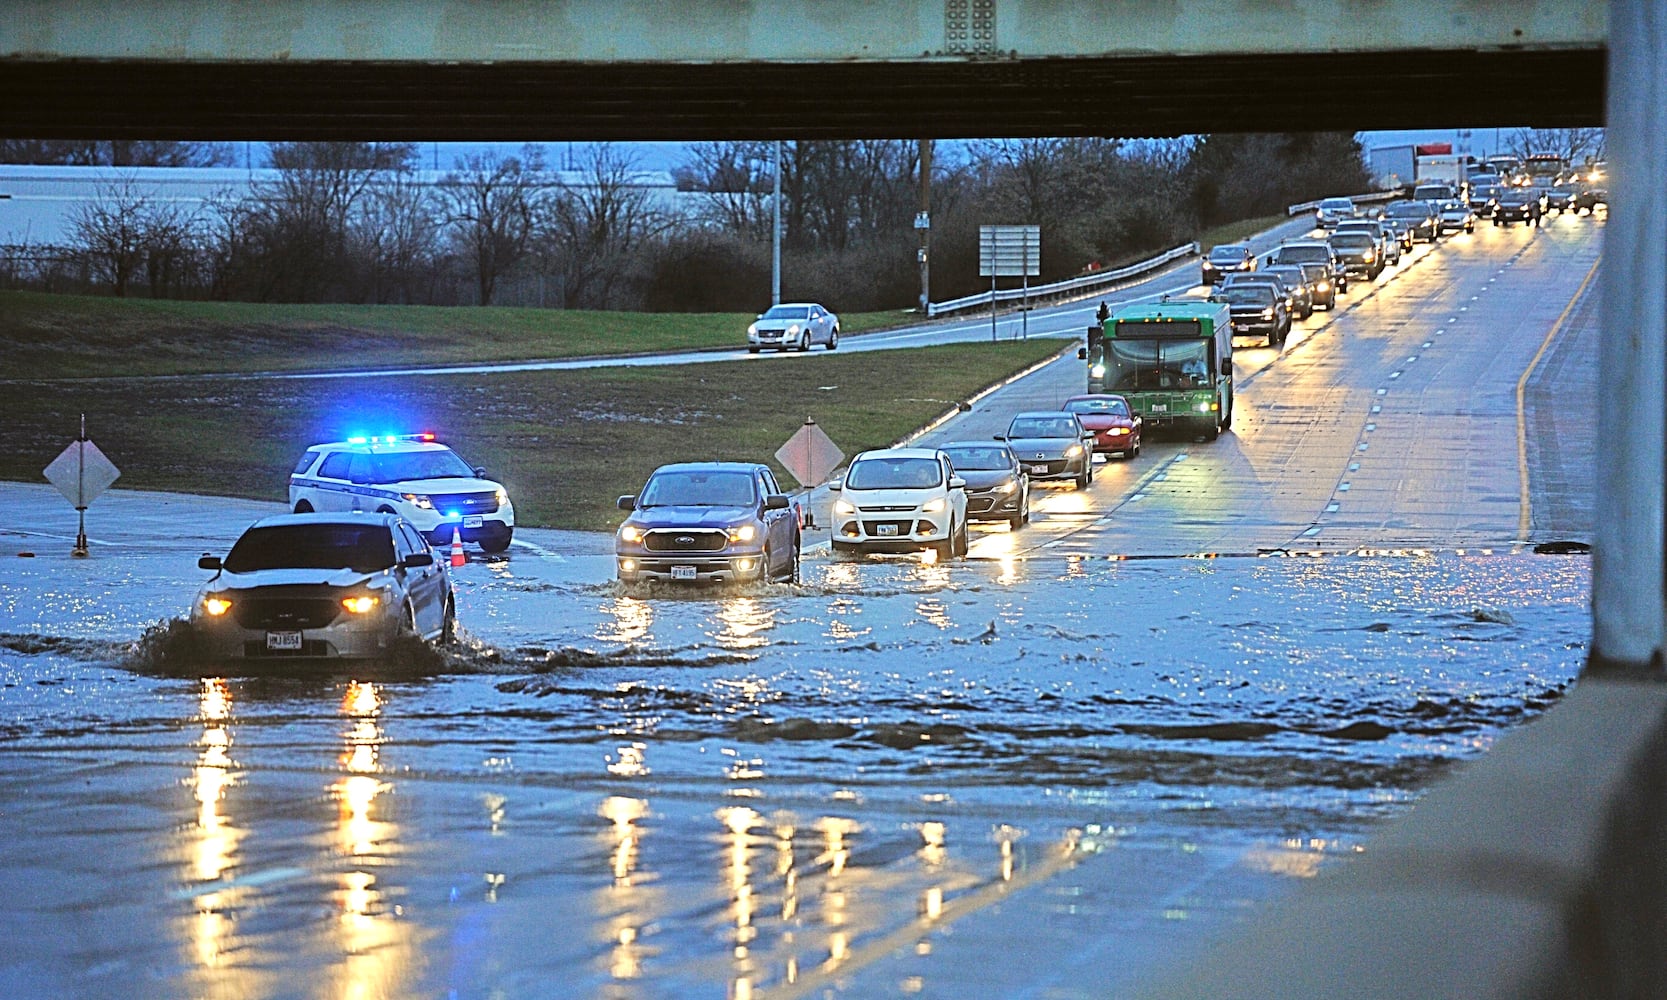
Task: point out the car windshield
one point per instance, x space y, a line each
693 488
1044 427
980 459
1407 210
403 466
1337 205
1115 407
787 312
1290 274
1305 254
893 474
1352 241
363 548
1248 295
1227 254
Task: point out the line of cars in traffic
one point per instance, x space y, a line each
1266 294
727 522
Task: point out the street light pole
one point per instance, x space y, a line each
923 223
775 235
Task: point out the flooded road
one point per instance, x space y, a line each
1051 770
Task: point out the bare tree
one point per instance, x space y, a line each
737 178
491 205
1575 145
396 230
125 229
594 230
116 152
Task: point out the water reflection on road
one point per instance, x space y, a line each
646 794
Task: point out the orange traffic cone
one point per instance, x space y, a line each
456 548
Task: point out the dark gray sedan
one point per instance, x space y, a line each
997 488
1052 444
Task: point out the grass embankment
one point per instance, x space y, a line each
80 335
565 443
1238 232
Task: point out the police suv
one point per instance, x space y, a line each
411 475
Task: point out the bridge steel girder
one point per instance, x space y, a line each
706 69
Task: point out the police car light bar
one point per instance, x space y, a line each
391 438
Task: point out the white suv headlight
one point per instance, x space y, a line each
933 506
844 506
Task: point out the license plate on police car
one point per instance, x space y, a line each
885 529
471 521
682 572
284 641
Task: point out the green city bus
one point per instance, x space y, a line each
1173 362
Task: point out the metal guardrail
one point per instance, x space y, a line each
1308 206
1060 289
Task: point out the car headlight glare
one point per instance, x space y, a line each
933 506
216 606
1267 313
752 331
503 497
419 501
361 605
793 330
743 533
1008 487
1073 451
630 533
1098 371
843 506
1119 431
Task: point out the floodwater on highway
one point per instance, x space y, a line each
781 789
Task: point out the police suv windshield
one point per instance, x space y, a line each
403 466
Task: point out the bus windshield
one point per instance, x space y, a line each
1157 364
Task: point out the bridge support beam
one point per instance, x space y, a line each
1629 585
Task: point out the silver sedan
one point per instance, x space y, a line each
796 325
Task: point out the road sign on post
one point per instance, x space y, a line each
81 473
809 456
1008 251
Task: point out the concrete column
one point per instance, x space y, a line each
1629 591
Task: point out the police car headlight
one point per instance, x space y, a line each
630 533
214 605
743 533
420 501
503 496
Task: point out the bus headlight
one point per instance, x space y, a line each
1098 371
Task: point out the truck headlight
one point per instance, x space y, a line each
630 533
1267 313
743 533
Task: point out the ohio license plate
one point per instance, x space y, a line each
682 572
289 641
471 520
1160 407
885 529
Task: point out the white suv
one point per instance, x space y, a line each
410 475
901 500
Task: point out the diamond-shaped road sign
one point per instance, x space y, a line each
81 473
809 455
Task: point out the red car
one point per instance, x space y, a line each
1115 425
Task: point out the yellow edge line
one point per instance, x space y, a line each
1524 517
1060 857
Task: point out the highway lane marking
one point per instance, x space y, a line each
1525 514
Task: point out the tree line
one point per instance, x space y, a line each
350 222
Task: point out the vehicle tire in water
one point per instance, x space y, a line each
448 627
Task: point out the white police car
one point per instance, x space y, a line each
411 475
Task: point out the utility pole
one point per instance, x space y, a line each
923 224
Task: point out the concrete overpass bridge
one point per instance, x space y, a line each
1542 871
791 69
